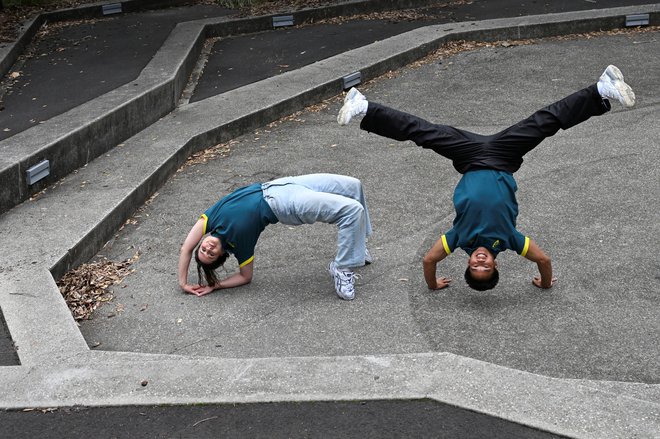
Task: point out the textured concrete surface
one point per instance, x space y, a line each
579 360
119 95
575 199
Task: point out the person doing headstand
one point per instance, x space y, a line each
484 199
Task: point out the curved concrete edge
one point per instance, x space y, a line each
10 52
42 325
87 131
238 111
552 405
647 392
164 146
64 372
149 158
71 140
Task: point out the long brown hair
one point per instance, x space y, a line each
207 271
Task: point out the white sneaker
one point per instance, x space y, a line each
353 93
611 85
355 104
368 259
344 280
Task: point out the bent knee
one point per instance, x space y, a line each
351 211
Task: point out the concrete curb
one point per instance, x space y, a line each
266 101
543 403
66 140
9 53
59 369
93 128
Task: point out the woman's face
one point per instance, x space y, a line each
209 249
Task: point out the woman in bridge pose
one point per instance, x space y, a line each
234 223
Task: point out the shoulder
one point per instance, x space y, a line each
520 243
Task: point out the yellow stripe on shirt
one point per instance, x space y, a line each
206 220
246 262
526 247
445 245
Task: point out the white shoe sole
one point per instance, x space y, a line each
614 73
616 78
344 116
351 94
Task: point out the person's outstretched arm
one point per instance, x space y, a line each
185 255
543 262
244 276
436 254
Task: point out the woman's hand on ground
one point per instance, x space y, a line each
197 290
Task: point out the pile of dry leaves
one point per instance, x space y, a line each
88 286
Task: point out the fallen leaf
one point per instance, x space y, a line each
85 288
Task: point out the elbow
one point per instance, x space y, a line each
428 260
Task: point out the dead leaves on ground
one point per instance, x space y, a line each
87 287
208 154
452 48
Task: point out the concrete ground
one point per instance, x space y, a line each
95 56
584 195
90 57
579 360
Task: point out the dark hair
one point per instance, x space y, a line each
482 285
208 270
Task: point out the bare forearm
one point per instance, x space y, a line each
235 280
545 269
430 261
544 264
186 251
184 264
429 274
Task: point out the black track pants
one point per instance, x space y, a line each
503 151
